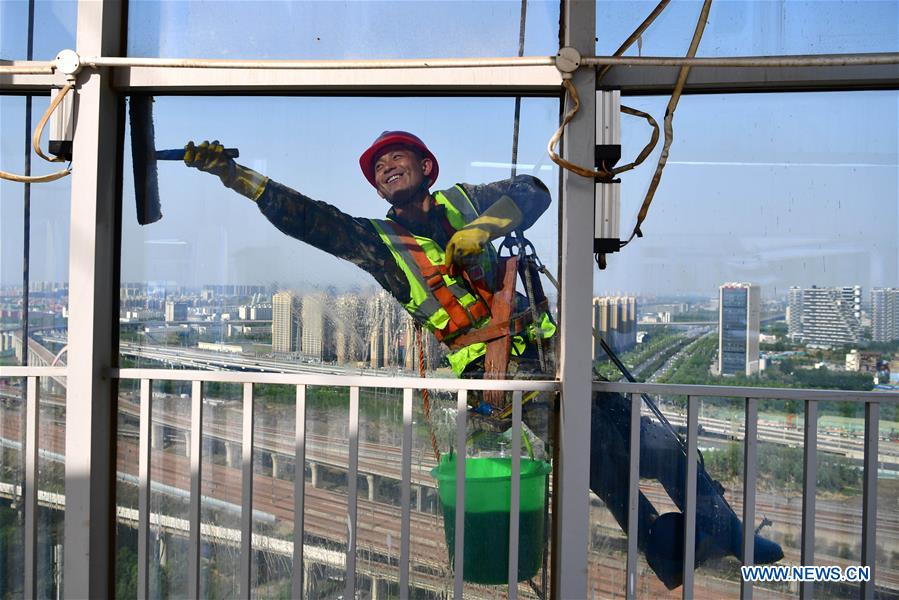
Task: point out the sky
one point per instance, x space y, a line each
780 190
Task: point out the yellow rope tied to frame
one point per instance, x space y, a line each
36 144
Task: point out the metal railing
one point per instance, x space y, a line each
353 383
750 397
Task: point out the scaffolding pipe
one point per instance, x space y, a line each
822 60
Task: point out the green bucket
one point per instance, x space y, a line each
487 508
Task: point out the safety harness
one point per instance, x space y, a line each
474 313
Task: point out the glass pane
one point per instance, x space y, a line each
757 193
838 505
762 266
274 462
335 30
54 29
51 487
49 243
325 518
214 283
887 493
749 28
170 489
127 472
220 508
12 482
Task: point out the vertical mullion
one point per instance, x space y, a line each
869 503
143 502
633 496
246 508
94 260
515 496
352 481
32 400
461 438
405 494
809 491
690 499
299 491
750 468
196 445
571 510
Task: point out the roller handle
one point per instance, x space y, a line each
178 154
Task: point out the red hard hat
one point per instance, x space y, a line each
389 138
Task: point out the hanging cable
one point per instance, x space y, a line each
425 395
669 118
635 36
601 174
36 141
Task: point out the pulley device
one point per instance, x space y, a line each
607 199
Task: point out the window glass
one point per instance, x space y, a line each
216 277
769 259
224 282
48 263
335 30
54 29
749 28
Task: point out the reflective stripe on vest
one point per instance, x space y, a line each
422 304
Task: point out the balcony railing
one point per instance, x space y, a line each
750 396
409 386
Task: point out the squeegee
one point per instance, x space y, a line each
144 156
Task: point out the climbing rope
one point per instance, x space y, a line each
36 144
425 395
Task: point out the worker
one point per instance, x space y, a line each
456 227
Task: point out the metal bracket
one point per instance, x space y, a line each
68 62
568 60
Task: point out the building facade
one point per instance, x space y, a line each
175 311
615 321
739 308
831 316
285 322
885 314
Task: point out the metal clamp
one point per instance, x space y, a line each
68 62
568 60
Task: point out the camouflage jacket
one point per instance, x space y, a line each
355 239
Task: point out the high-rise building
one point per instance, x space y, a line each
285 325
316 333
794 313
885 314
831 316
175 311
615 321
739 307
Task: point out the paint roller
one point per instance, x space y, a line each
144 156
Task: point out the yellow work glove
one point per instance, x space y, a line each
211 158
498 220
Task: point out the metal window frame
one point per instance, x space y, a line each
96 230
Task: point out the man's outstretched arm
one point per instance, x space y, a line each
317 223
